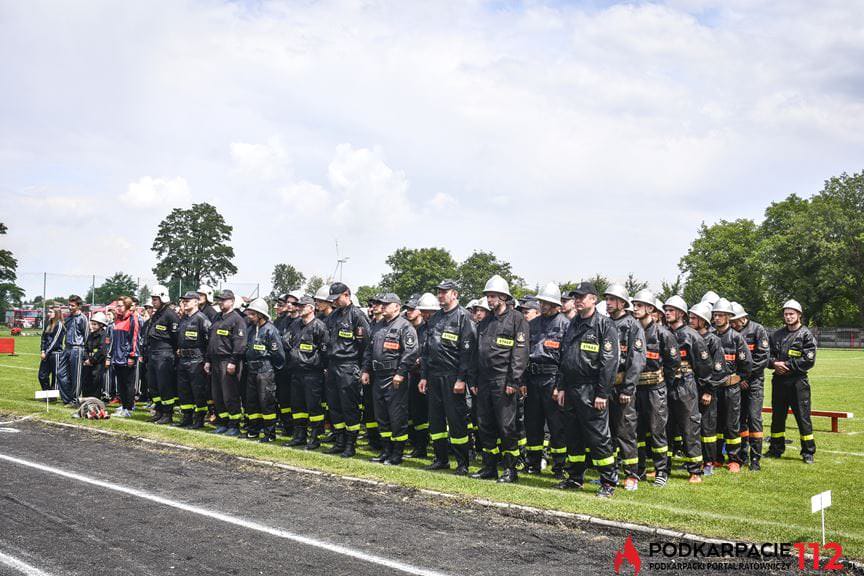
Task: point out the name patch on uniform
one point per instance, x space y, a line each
729 357
450 336
589 347
751 347
305 347
794 354
652 355
191 334
221 332
504 342
391 345
554 344
160 327
683 353
346 334
259 347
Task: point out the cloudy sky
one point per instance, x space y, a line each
567 137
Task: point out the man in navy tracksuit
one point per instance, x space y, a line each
77 331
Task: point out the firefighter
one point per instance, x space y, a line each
683 391
264 356
93 371
51 349
417 311
502 357
568 306
661 362
541 409
792 355
161 337
76 330
323 303
308 358
192 384
285 324
368 405
205 302
390 356
700 320
752 389
622 416
225 352
589 362
736 369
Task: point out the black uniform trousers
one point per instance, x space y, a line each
752 399
541 412
623 422
161 377
391 406
497 415
652 413
448 411
69 373
685 419
708 428
368 408
418 413
587 428
192 385
791 392
125 376
344 395
260 396
226 392
307 393
284 398
729 422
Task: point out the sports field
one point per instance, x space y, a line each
771 506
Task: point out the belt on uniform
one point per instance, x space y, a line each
619 378
384 366
189 353
732 380
75 346
683 370
258 365
542 368
650 378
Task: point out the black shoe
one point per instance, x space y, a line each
380 458
438 465
350 445
461 470
606 491
157 415
808 458
338 444
266 438
509 476
299 438
167 418
197 421
330 437
396 451
773 454
252 435
755 466
418 453
185 422
313 443
558 474
534 469
569 484
486 473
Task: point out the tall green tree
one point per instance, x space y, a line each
475 270
726 257
117 285
634 285
10 293
417 270
366 292
192 246
669 289
313 284
285 278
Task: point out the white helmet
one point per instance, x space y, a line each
794 305
207 291
702 310
618 291
658 304
551 293
483 303
739 311
711 297
323 293
429 302
601 308
161 292
100 317
260 306
471 304
498 285
676 302
645 296
723 306
298 294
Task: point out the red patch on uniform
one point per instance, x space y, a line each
391 345
729 357
683 353
751 347
652 355
552 344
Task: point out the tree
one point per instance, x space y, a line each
417 270
633 285
601 283
285 278
10 293
313 284
144 293
193 246
669 289
726 258
366 292
479 267
117 285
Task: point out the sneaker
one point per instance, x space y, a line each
631 484
119 410
660 481
708 470
114 401
606 491
734 467
650 475
695 479
807 458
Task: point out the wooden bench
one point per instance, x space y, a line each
835 416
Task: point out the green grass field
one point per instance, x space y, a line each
773 505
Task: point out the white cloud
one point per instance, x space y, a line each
267 161
305 199
443 201
149 192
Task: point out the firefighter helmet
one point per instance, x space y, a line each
723 306
710 297
161 292
676 302
702 310
551 293
260 306
618 291
794 305
428 302
645 296
739 310
498 285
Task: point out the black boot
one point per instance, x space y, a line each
441 461
186 421
396 452
288 426
269 435
460 451
167 416
558 461
386 448
198 421
420 444
375 440
489 471
299 437
157 414
350 444
535 462
338 442
509 476
314 443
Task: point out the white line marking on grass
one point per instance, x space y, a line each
19 367
229 519
21 566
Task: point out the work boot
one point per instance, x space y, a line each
157 415
386 448
755 466
299 437
441 460
420 442
489 471
350 444
396 451
233 429
375 441
313 443
338 443
606 491
558 461
167 417
186 421
570 484
269 435
535 462
330 437
509 476
222 428
807 458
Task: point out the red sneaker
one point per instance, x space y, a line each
734 467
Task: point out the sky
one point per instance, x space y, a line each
569 138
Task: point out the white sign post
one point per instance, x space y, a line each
819 503
47 395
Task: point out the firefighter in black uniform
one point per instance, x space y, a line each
285 318
93 372
205 302
308 360
447 369
161 339
418 407
752 389
192 384
390 356
264 355
737 366
589 362
541 409
349 333
502 358
700 320
225 352
793 354
661 362
367 402
623 419
683 391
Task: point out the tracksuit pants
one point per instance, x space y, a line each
48 371
69 371
125 376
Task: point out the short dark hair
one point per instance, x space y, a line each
75 299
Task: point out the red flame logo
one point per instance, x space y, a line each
630 555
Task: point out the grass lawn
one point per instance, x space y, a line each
772 506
